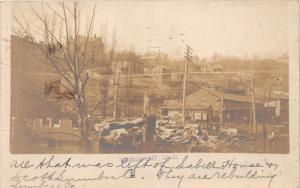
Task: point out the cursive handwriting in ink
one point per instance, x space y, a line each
50 170
21 164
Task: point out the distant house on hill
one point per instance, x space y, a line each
152 59
215 67
203 68
127 67
162 73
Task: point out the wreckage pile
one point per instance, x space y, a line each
121 134
194 137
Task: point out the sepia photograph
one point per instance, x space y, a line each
100 77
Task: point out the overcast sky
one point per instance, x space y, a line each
234 28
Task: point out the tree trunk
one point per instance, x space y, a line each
85 144
103 95
84 129
84 132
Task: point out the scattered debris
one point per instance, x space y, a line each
195 138
122 132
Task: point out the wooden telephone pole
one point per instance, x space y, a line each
253 106
221 108
188 54
116 99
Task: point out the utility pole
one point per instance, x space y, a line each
253 105
250 121
221 108
116 99
126 104
128 88
188 54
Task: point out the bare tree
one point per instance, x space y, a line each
67 51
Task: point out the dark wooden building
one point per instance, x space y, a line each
235 109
